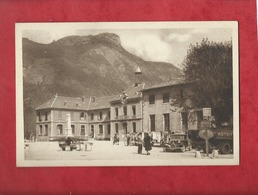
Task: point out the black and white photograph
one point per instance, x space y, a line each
127 94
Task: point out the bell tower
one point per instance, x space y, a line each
138 74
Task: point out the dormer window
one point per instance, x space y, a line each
100 115
39 116
152 99
82 116
166 98
46 116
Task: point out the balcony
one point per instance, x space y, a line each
125 117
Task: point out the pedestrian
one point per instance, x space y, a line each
139 142
116 139
147 143
128 137
68 141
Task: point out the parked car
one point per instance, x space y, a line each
175 142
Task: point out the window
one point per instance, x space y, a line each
92 131
39 115
125 110
59 129
46 115
73 129
82 129
116 111
59 114
166 98
125 128
72 115
46 130
184 120
134 127
82 116
100 115
116 126
100 129
108 129
108 114
92 116
40 130
152 122
152 99
134 110
166 122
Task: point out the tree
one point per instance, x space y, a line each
208 66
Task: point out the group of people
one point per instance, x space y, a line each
146 142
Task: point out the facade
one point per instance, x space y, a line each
51 117
126 112
99 118
137 109
159 112
89 118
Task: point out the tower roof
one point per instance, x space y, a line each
138 71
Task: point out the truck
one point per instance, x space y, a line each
222 140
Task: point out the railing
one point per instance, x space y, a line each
125 117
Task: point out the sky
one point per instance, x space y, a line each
151 44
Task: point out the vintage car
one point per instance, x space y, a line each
175 142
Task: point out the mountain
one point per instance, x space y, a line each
79 66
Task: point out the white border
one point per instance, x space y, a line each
19 27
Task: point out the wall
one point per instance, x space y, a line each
129 119
160 108
97 121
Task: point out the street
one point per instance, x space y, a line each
107 154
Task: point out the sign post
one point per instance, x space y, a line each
206 134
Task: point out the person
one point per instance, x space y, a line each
128 137
147 143
116 139
68 141
139 142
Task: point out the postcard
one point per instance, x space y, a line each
127 94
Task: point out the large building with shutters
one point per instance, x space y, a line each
137 109
160 114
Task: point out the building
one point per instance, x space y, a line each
126 111
99 118
51 117
160 113
137 109
89 118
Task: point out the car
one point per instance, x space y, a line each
176 142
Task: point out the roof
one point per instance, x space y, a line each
72 103
100 103
170 83
130 93
76 103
